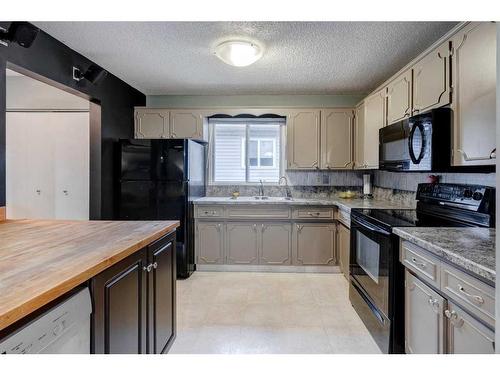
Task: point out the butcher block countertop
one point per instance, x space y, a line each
41 260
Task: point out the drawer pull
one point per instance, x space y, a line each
434 303
454 318
314 213
212 213
417 263
477 299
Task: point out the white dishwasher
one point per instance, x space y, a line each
64 329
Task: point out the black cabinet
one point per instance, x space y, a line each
134 302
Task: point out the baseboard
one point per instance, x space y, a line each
3 213
263 268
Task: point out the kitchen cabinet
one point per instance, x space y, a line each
399 95
474 94
336 138
134 302
242 243
186 124
303 139
359 136
374 119
275 244
466 335
424 317
314 244
209 243
431 81
152 123
344 248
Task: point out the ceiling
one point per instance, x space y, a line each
175 58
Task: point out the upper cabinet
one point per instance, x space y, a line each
337 139
399 98
186 124
374 119
474 94
303 143
431 85
359 136
151 123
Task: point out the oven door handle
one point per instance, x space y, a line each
369 226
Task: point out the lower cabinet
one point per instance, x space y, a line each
343 248
436 325
314 244
134 302
275 244
242 243
424 318
209 243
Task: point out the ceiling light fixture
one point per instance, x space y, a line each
238 52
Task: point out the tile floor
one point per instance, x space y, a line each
267 313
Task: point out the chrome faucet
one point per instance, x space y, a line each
261 188
288 192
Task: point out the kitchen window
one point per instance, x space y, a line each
246 150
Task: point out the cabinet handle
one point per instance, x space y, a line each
65 192
38 191
147 268
454 318
477 299
314 213
299 228
218 227
492 155
263 228
417 263
255 227
155 265
434 304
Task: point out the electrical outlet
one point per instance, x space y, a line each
325 179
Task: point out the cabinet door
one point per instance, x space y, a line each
209 243
399 98
474 94
151 123
374 120
186 124
336 139
423 318
431 82
275 244
466 335
359 136
119 318
242 243
314 244
303 140
343 248
162 288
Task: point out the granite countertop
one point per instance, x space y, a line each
472 249
40 260
345 204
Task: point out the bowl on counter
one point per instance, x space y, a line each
347 194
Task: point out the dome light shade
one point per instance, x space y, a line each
238 52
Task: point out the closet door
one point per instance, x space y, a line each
70 133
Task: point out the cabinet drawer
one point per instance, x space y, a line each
472 293
210 211
314 213
258 212
424 265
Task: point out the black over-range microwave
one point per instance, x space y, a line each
420 143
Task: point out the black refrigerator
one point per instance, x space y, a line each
158 180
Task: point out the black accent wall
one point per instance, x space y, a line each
51 61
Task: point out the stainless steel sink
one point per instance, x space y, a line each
260 198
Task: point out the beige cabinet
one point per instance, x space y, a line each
466 335
399 94
431 80
186 124
242 243
424 317
343 248
336 138
275 244
474 94
314 244
303 139
152 123
209 243
374 120
359 136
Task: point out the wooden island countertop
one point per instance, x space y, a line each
40 260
